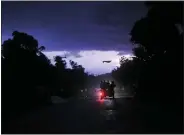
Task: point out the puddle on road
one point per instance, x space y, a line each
109 110
109 105
110 121
110 115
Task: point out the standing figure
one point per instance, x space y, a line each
111 88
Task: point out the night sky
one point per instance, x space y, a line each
88 32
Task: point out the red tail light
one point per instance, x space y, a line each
101 93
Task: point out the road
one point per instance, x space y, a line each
81 116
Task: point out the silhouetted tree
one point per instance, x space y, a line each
128 73
26 72
29 78
157 40
158 44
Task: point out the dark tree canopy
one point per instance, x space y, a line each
155 74
28 77
157 46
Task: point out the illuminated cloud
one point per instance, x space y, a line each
91 60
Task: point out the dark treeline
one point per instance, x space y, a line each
155 73
29 79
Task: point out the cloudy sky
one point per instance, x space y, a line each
88 32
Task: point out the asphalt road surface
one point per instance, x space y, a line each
87 115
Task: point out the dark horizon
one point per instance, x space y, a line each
76 27
58 91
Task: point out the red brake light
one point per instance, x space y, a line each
101 93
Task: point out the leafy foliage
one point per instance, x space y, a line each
29 78
157 41
157 67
